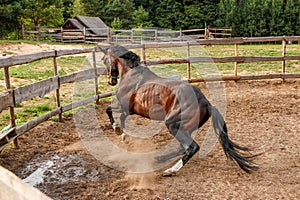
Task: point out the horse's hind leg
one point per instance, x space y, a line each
190 146
193 148
180 151
122 119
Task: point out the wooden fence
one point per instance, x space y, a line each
123 36
11 97
39 33
13 188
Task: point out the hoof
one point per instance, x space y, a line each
169 173
123 137
117 129
173 170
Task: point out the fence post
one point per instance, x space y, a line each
180 35
11 108
188 64
38 33
57 90
96 77
23 30
108 35
62 34
236 53
156 35
283 55
144 54
84 34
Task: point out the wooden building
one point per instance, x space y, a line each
84 29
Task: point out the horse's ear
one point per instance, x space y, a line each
103 49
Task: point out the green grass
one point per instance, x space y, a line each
43 69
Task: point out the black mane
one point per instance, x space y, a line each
133 58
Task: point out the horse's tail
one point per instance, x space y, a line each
231 149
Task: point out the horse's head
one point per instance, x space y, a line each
118 60
112 71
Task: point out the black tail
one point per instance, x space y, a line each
231 149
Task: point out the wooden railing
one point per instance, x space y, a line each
17 95
11 97
237 59
123 36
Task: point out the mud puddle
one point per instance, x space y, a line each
61 169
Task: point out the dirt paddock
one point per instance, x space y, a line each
263 115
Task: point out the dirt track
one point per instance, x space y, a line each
263 115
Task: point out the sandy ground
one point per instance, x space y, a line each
23 48
263 115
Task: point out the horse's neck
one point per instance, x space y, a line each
132 71
131 79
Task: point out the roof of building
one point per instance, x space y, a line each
94 25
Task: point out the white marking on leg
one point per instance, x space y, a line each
123 135
114 126
171 171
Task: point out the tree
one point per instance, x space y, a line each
95 8
122 9
10 20
116 24
43 13
193 15
291 17
277 22
78 8
169 14
68 9
247 18
141 18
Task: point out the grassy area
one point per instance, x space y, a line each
43 69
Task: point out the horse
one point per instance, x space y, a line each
182 107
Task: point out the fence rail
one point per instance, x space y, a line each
123 36
11 97
12 187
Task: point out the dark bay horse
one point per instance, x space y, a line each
181 106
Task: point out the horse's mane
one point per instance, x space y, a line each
133 58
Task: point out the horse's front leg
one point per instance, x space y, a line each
112 121
118 130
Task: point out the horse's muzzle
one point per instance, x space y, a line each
113 81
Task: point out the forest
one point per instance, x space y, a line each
248 18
